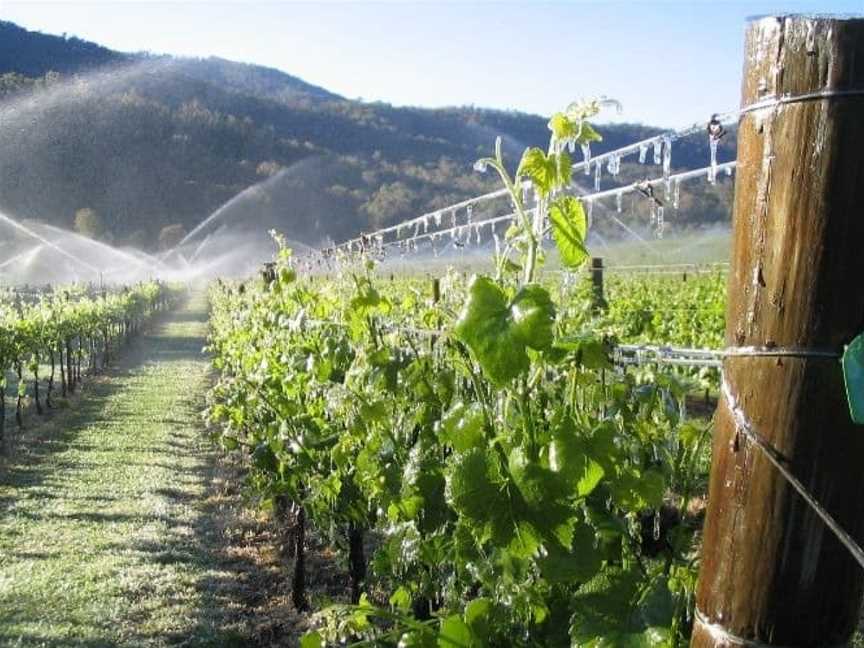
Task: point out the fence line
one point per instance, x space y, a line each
636 354
376 240
657 142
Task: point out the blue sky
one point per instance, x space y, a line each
669 63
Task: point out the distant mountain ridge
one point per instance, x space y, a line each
153 141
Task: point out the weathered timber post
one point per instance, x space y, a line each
597 297
772 573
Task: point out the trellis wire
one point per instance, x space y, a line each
744 426
375 240
662 139
691 357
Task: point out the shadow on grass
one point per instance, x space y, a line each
26 451
229 585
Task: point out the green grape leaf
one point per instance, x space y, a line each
455 633
462 427
569 227
570 456
525 540
574 564
541 169
561 127
473 486
636 491
401 599
367 298
311 640
423 638
478 615
546 172
533 317
588 134
498 332
539 486
853 375
607 607
649 638
264 459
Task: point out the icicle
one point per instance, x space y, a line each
453 218
571 145
661 223
614 165
497 243
417 228
438 219
425 224
480 166
667 156
729 171
643 153
676 193
658 151
526 194
586 156
470 213
712 173
399 231
619 199
589 210
598 170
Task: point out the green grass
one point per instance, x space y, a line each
105 534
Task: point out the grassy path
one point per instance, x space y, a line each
107 512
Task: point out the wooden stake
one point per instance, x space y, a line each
772 572
599 299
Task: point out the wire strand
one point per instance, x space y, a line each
743 424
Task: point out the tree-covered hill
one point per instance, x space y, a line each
149 141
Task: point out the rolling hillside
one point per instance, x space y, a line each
149 141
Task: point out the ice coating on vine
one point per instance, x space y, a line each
712 172
571 145
481 166
586 155
667 156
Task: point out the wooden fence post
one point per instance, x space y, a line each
598 298
772 573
